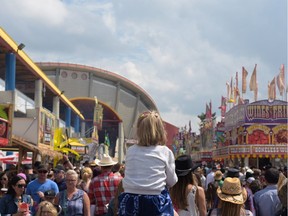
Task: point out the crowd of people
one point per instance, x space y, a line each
151 182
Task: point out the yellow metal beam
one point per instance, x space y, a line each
24 58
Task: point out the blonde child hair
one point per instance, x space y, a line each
150 129
46 207
86 173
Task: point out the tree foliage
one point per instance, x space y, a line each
202 118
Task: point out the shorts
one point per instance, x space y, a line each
145 205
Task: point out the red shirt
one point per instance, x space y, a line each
102 189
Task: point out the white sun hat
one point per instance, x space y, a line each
106 161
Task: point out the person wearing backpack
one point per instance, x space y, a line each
187 197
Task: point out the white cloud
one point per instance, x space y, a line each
51 13
176 117
181 52
109 20
130 70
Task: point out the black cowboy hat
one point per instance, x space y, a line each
185 165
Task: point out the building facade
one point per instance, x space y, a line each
255 134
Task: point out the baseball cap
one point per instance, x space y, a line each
27 166
42 167
250 179
49 193
86 163
59 168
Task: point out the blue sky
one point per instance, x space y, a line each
181 52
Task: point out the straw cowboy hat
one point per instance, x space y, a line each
106 161
184 165
198 170
232 191
94 162
218 175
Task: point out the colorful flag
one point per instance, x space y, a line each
273 83
228 90
223 101
282 72
244 82
223 106
272 90
253 80
241 100
236 79
209 110
281 79
256 92
236 89
268 90
231 87
95 136
231 99
107 140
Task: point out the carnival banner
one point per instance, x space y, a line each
269 149
266 112
47 127
239 150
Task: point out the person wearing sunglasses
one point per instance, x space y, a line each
37 187
59 174
15 198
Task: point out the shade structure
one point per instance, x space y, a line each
77 144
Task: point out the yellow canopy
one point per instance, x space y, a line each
77 144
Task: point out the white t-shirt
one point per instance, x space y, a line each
148 169
209 178
203 180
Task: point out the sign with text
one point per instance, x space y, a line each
47 127
272 149
264 111
239 149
